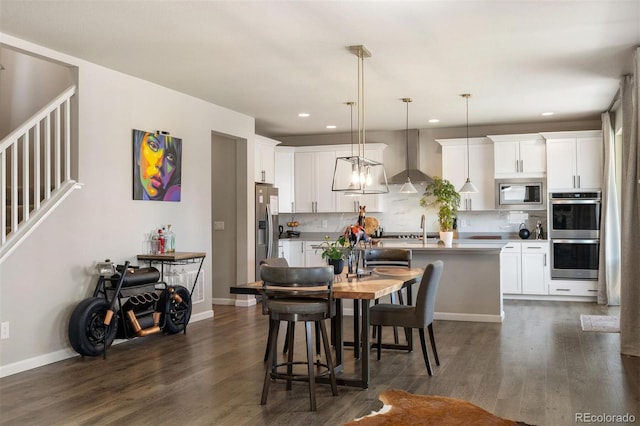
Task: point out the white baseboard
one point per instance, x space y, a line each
61 355
223 301
551 298
245 302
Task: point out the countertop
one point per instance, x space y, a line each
464 238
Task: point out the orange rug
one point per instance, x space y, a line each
403 408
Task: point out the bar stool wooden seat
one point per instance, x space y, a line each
298 294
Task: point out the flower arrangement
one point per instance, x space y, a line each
336 250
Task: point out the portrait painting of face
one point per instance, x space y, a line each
157 161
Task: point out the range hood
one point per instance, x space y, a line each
413 162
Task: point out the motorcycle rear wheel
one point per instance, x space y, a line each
178 315
88 334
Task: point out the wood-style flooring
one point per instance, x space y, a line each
537 367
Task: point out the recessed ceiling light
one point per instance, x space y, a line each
331 126
434 120
546 114
304 114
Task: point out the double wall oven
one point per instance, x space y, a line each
574 231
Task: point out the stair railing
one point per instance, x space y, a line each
35 170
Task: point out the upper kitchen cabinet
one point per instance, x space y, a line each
313 180
284 178
455 164
519 156
351 203
574 160
265 159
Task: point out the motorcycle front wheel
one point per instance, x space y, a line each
177 314
88 334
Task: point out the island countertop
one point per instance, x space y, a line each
459 247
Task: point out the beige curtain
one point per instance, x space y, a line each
630 216
609 269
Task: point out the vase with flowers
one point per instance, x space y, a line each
335 252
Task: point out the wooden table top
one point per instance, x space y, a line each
367 287
172 257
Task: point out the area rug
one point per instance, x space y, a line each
604 323
403 408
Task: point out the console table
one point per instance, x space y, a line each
176 258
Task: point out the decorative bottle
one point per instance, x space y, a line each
170 240
161 242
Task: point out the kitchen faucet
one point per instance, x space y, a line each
424 229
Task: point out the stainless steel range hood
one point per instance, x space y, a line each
413 162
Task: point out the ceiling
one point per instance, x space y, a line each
274 59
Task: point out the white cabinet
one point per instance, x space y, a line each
573 288
517 156
313 181
284 178
351 203
312 254
524 268
510 274
293 251
535 268
455 164
264 159
574 160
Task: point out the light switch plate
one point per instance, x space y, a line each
218 226
4 330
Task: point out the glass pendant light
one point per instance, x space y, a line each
407 187
356 173
468 187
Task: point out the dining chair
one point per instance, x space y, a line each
418 316
274 261
381 257
298 294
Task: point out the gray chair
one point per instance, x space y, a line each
418 316
380 257
296 294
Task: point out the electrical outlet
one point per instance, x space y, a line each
4 330
324 223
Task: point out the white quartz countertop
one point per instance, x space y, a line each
457 247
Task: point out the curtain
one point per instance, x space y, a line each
630 216
609 270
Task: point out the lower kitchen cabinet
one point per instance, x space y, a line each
524 268
573 288
301 253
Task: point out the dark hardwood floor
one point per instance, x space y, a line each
537 367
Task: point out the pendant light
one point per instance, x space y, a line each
468 187
408 187
371 176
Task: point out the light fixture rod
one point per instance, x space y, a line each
407 101
467 96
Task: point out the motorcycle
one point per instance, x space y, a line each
127 302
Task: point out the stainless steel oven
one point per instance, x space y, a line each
575 214
575 259
574 230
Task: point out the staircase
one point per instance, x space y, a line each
35 170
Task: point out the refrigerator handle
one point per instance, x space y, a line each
269 233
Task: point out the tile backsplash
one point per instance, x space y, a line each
402 213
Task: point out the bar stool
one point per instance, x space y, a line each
295 294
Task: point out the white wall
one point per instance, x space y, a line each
43 280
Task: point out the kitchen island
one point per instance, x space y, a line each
470 285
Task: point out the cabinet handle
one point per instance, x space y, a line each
470 204
531 247
545 259
574 181
578 181
593 291
563 289
264 178
517 166
292 209
522 166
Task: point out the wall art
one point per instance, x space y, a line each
157 166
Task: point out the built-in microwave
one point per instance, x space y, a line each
521 194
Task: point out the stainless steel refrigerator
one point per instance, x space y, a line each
266 223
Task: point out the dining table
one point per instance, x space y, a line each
363 287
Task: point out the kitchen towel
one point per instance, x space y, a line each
603 323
